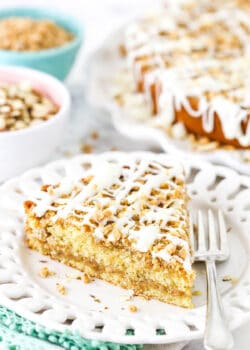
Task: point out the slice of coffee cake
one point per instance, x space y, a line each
123 219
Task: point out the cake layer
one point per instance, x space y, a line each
142 287
129 270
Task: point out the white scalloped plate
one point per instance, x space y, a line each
37 299
103 66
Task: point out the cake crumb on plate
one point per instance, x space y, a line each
61 288
196 293
97 300
230 279
133 308
86 278
45 272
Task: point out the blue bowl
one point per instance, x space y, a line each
56 61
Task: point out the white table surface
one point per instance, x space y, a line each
101 17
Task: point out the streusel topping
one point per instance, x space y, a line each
139 203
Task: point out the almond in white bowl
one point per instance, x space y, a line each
34 111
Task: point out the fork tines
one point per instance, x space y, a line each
209 235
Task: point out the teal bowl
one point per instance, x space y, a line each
56 61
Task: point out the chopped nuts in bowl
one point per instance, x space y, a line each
39 38
27 34
21 106
34 111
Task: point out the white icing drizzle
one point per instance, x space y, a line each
145 237
191 53
132 180
106 175
178 131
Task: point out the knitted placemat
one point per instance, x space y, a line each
18 333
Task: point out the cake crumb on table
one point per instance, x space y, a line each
68 154
86 148
94 135
133 308
61 288
45 272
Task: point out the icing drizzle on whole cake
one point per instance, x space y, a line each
197 51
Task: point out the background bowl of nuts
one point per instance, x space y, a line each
39 38
34 112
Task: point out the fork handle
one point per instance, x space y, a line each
217 334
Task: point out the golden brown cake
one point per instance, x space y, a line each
123 220
191 64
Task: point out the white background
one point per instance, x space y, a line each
101 17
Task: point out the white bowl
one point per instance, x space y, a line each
23 149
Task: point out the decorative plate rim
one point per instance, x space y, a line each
57 312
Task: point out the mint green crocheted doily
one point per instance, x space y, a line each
18 333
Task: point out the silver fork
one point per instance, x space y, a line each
210 246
